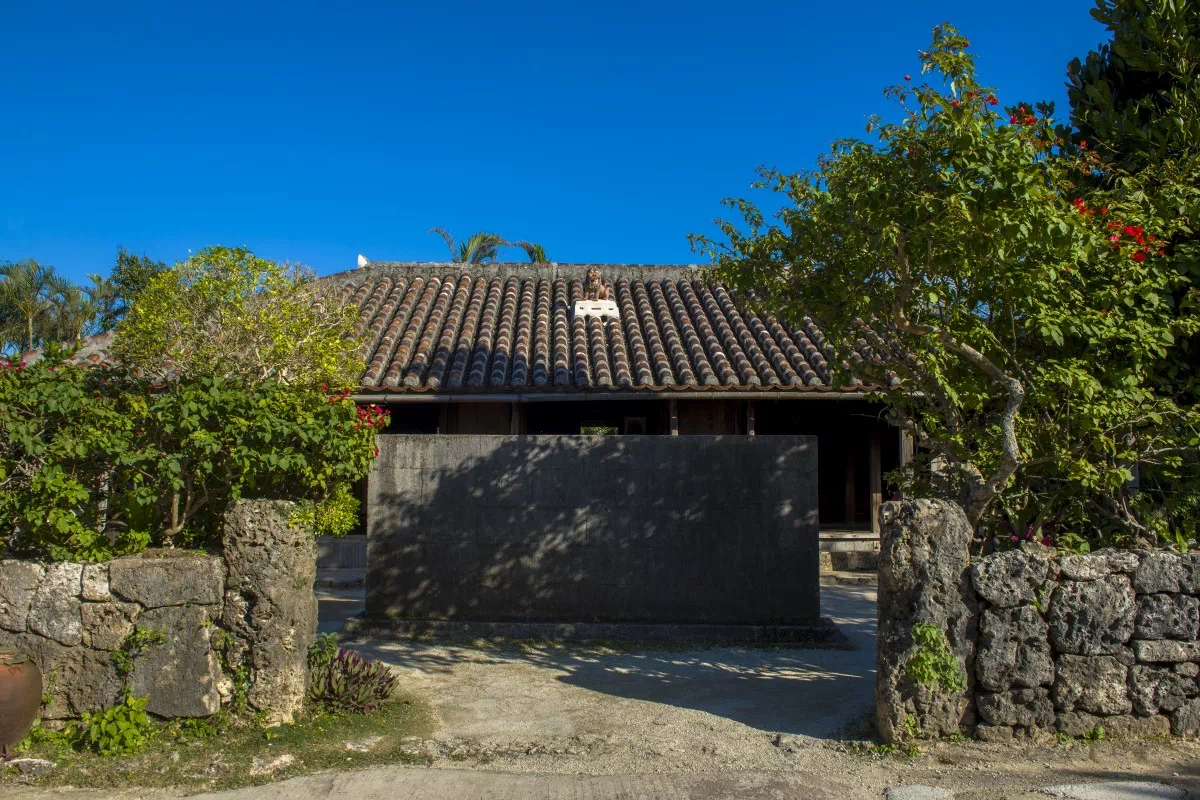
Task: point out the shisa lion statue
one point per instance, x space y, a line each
595 288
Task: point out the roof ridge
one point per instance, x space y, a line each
552 270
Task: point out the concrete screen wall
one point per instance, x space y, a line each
696 529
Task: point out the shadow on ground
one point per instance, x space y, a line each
813 692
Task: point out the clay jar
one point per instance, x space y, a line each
20 697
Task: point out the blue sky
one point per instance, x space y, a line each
316 131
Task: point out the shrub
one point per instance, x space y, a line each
350 683
123 729
336 515
94 463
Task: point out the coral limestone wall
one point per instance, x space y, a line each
1046 642
182 628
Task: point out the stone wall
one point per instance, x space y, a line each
251 606
620 529
1065 644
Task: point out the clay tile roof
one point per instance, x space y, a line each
496 328
510 328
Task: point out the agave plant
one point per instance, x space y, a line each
350 683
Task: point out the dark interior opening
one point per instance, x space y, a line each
621 417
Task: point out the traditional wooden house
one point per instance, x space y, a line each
474 349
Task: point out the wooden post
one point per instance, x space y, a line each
906 446
749 417
673 410
876 470
516 419
444 418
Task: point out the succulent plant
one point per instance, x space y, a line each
350 683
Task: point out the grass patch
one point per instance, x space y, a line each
218 753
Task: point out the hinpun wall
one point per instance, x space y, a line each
1055 643
662 529
253 606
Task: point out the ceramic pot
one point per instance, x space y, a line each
20 697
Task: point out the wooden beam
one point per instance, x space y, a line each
516 421
876 470
673 410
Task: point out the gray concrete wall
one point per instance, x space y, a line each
696 529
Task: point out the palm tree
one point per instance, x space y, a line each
105 295
476 249
27 292
535 252
79 311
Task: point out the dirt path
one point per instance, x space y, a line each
622 711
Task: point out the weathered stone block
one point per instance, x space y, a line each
1091 683
82 679
1185 720
1013 649
105 625
1023 707
1013 578
269 602
1189 581
1123 726
1167 616
996 734
95 583
184 661
1155 689
1092 617
18 583
1097 565
1164 651
54 612
922 578
1187 669
1158 571
161 582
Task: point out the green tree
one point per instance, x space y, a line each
1018 305
1135 105
130 275
230 314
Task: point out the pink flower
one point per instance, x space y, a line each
908 77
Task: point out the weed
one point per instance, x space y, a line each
934 664
1096 734
136 643
124 729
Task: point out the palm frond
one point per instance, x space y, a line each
533 251
456 254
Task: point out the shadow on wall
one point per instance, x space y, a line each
696 529
821 693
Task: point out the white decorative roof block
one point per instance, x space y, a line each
596 308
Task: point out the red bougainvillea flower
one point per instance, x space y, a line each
1116 237
908 77
992 101
1103 209
954 103
1139 256
1012 119
1083 144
